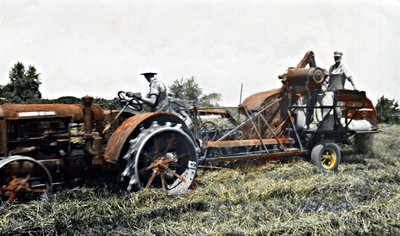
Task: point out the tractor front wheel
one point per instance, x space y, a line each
326 156
23 177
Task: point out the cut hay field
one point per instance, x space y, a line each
362 197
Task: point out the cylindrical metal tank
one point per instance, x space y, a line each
35 111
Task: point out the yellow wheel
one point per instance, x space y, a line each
326 156
328 159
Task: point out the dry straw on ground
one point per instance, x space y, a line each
362 197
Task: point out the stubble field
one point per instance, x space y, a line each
362 197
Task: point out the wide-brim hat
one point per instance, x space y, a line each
337 54
148 73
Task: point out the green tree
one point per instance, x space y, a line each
387 110
23 86
68 100
189 89
210 100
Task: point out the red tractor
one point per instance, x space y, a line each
46 144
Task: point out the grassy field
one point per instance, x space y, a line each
362 197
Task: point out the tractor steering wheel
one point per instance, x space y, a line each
133 103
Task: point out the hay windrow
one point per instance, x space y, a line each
362 197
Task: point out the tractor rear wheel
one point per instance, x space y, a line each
161 157
326 156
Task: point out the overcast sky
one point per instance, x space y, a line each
99 47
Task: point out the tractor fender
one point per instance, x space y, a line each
130 128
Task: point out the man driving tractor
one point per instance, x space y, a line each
157 96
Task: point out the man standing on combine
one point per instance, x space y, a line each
338 74
157 96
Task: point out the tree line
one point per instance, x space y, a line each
23 87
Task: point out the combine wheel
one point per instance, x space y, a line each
161 157
363 143
23 178
326 156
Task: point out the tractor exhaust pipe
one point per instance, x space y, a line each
93 140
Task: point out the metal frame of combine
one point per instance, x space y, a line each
274 127
44 144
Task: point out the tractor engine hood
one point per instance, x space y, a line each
36 111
